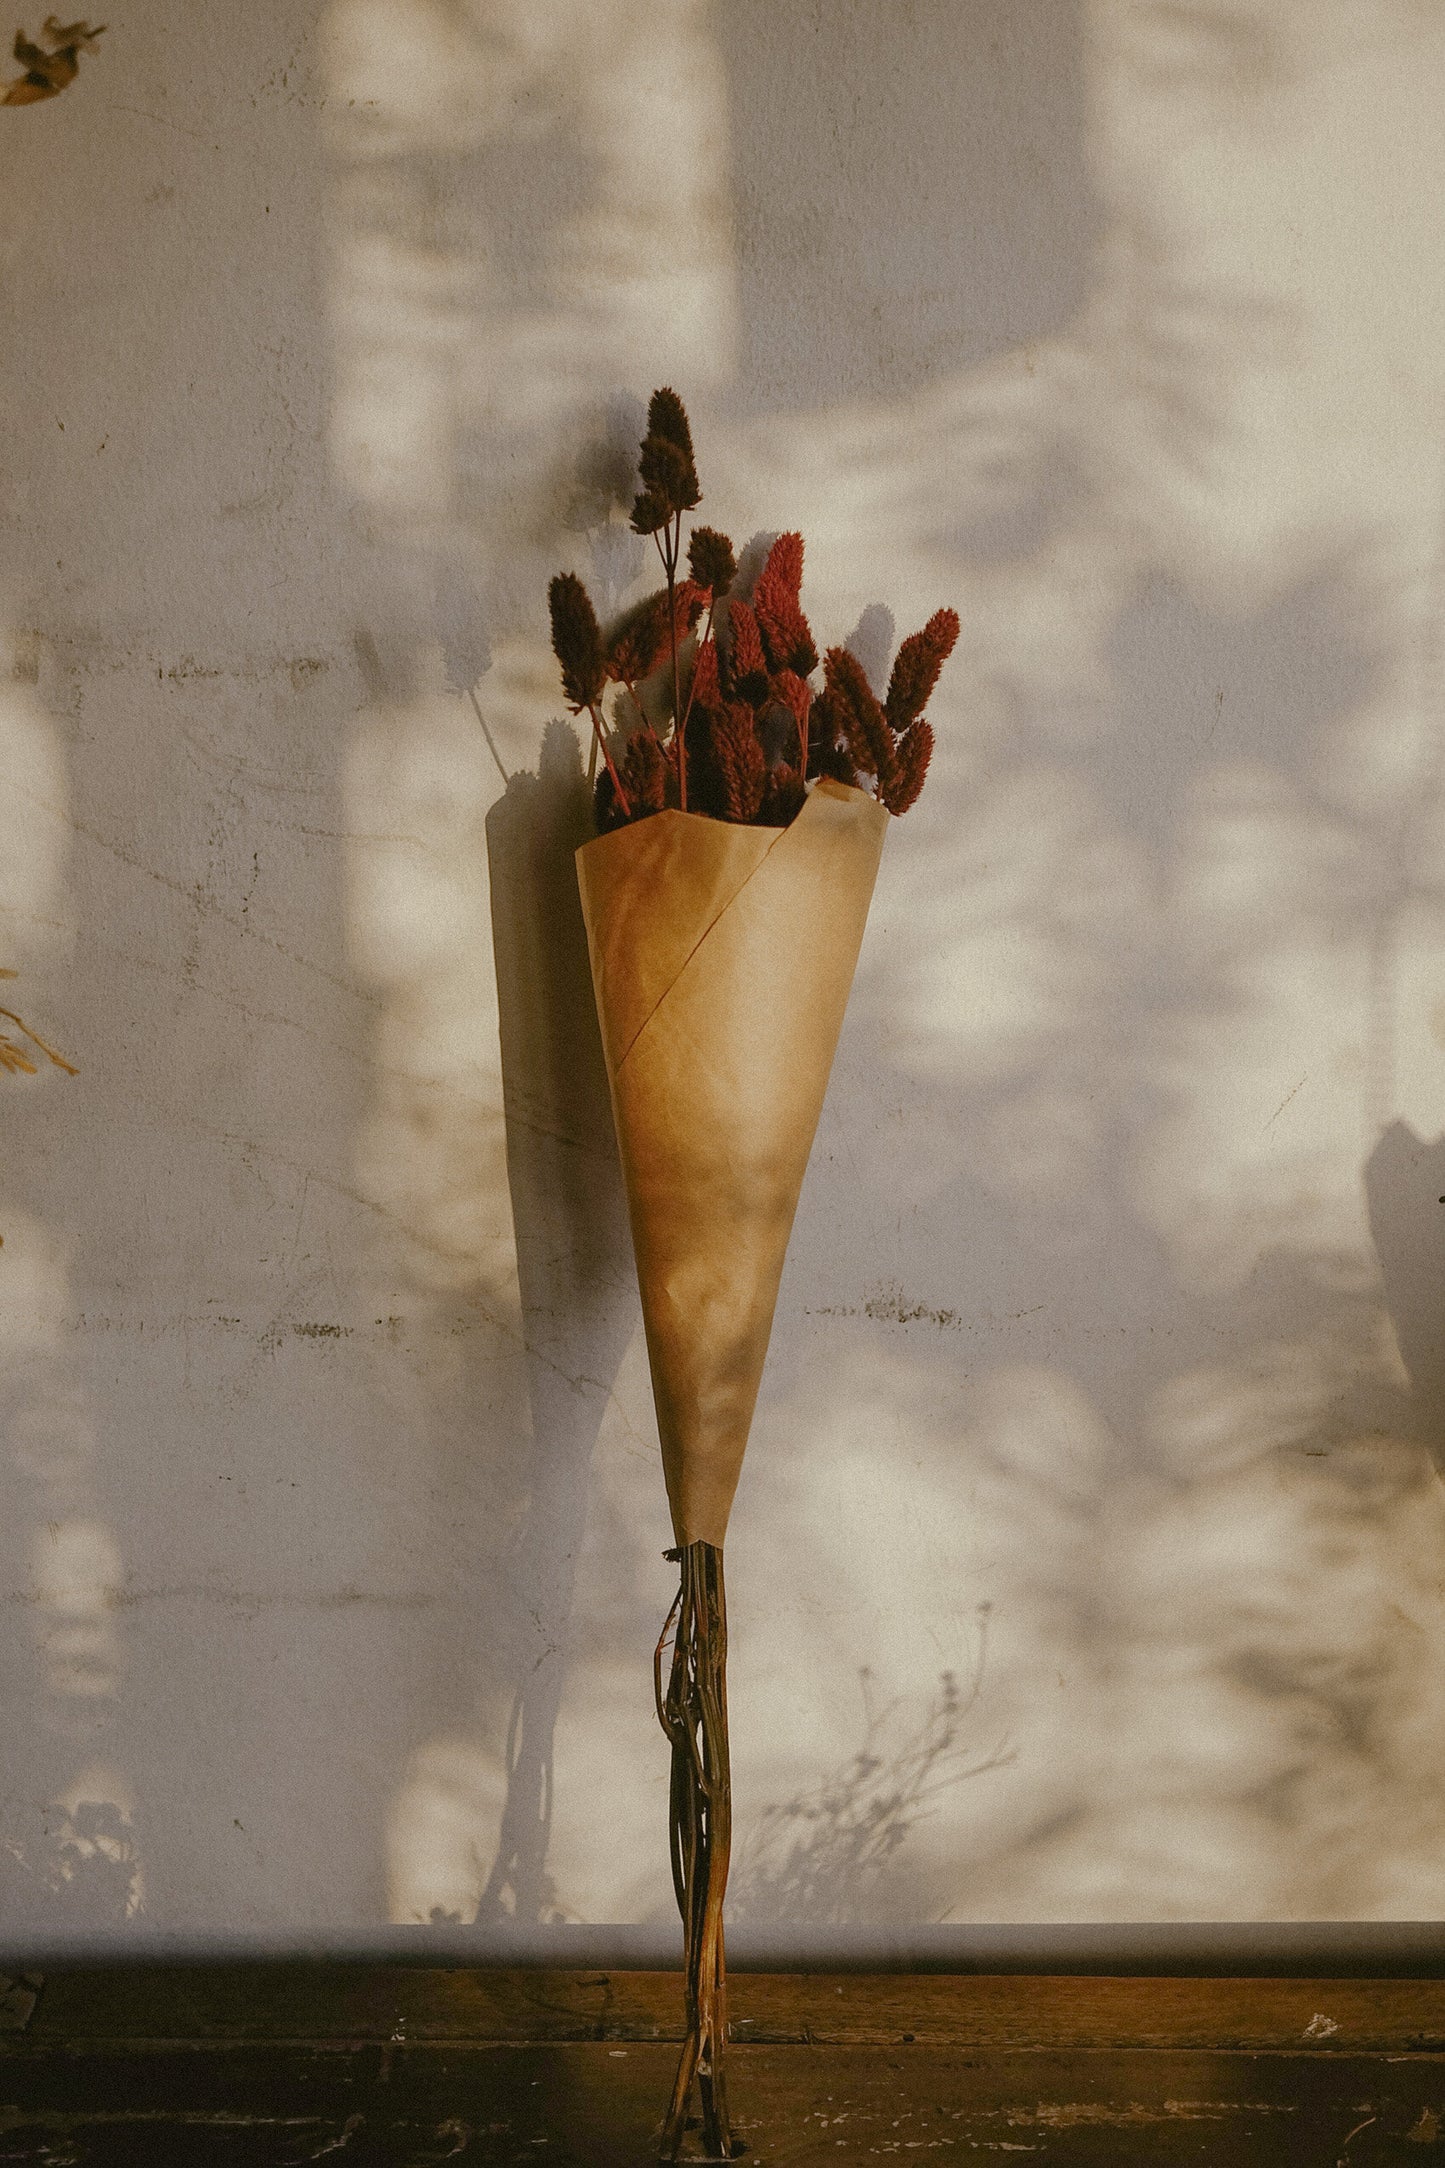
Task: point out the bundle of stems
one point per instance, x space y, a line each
693 1711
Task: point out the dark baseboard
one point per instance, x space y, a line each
1306 1949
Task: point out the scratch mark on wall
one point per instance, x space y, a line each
1286 1100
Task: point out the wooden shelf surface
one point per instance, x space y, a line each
269 2065
1017 2013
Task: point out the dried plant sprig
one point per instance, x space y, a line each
13 1057
577 641
47 73
667 424
577 644
666 465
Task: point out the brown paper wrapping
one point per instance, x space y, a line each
721 960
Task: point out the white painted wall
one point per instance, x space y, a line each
1107 1370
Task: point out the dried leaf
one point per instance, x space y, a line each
47 73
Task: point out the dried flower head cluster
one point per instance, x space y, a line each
721 715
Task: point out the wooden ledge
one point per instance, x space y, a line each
351 2004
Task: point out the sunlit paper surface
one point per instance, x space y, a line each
721 958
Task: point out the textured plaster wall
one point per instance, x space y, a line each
1087 1564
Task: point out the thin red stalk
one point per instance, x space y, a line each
642 712
622 797
702 643
674 548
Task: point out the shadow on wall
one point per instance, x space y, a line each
574 1267
1405 1192
835 1853
922 204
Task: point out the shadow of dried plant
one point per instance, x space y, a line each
824 1854
84 1870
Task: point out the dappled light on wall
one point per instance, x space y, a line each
530 216
69 1850
1138 1007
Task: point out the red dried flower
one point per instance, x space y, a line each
910 766
794 695
797 699
667 423
665 464
690 600
825 755
742 769
747 665
782 575
860 720
650 510
705 675
645 773
711 561
787 638
638 640
915 670
746 732
576 641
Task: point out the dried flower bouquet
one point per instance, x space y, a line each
739 807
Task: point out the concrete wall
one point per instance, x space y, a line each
1087 1561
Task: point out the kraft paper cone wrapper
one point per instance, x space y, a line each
721 958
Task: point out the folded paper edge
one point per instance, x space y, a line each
827 787
710 928
598 852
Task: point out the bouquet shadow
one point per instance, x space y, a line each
574 1267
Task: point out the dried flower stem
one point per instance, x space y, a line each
694 1714
599 739
642 715
670 555
702 643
